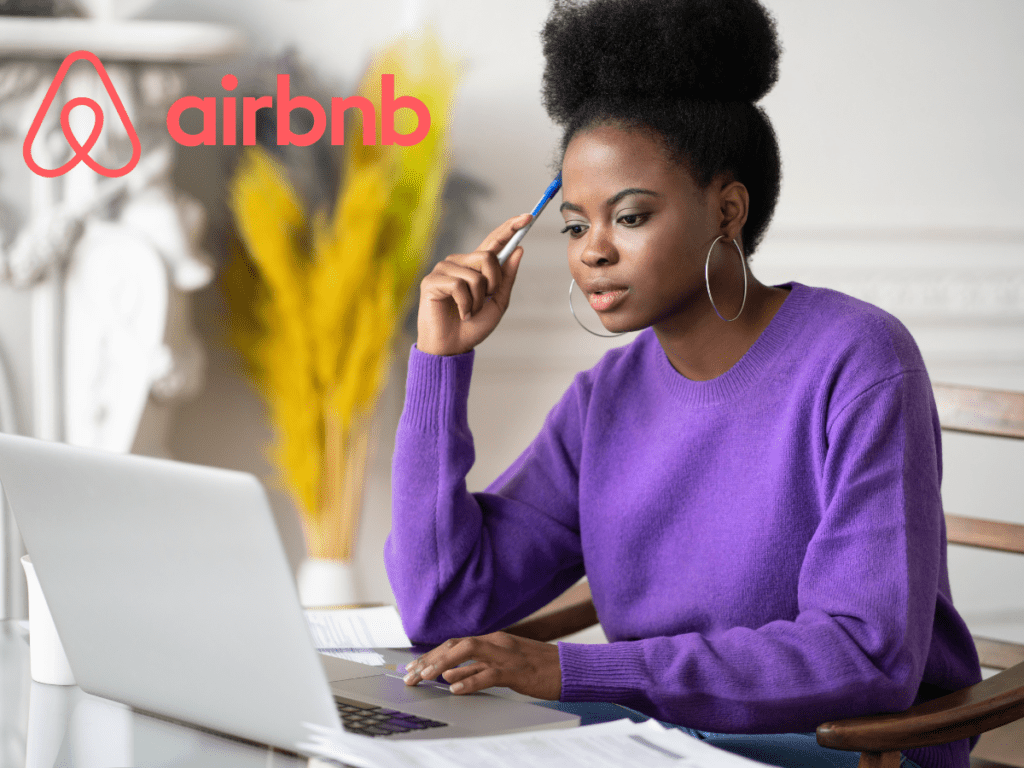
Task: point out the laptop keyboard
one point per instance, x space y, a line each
371 720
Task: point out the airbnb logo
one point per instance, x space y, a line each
283 107
80 152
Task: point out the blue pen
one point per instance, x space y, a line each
517 238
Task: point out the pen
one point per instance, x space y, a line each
517 238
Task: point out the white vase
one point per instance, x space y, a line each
326 583
47 661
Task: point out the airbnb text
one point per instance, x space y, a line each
285 104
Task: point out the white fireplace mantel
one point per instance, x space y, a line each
159 42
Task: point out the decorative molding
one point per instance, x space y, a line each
136 41
116 291
937 297
109 261
19 78
868 233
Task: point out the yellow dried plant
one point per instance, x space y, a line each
316 300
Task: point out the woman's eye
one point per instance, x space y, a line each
574 230
633 219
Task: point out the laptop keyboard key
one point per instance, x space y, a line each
371 720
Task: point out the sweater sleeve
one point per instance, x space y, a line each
866 596
465 563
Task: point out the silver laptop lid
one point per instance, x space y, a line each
169 587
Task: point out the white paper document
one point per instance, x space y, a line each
610 745
357 628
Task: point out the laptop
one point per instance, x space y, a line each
171 592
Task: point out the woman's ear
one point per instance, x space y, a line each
733 204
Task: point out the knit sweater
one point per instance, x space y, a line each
766 550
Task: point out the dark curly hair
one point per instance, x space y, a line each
688 70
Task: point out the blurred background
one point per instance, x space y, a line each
899 129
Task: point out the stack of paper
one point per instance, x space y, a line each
353 633
610 745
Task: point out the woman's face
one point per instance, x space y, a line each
639 229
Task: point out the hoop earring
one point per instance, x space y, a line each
571 309
707 280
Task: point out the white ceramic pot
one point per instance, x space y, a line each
327 583
47 661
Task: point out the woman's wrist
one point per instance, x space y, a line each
439 350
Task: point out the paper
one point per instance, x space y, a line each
609 745
356 628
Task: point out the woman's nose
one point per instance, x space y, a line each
599 250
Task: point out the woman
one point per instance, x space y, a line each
751 486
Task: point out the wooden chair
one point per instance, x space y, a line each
992 703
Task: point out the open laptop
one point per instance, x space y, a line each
170 590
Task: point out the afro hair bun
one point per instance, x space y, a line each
709 50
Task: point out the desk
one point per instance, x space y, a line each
46 725
42 726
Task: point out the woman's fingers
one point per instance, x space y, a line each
526 666
480 278
503 295
468 279
445 657
464 297
485 262
466 670
501 234
450 282
486 677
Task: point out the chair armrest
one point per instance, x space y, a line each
959 715
556 624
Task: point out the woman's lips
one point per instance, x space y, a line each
602 301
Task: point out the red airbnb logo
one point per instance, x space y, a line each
286 103
81 151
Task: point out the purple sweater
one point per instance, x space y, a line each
766 550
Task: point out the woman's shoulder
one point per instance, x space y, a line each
846 348
844 329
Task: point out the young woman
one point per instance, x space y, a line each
751 486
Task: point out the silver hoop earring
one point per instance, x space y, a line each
572 284
707 280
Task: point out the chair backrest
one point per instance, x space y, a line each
1000 414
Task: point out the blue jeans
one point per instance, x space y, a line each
785 750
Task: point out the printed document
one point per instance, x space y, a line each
352 633
609 745
358 628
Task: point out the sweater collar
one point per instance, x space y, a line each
763 354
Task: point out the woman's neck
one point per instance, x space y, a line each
703 346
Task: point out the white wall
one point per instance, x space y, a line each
898 123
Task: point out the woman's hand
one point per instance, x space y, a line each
527 666
464 296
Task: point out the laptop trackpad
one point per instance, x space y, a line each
392 689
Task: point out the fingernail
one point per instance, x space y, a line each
426 673
457 687
409 677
